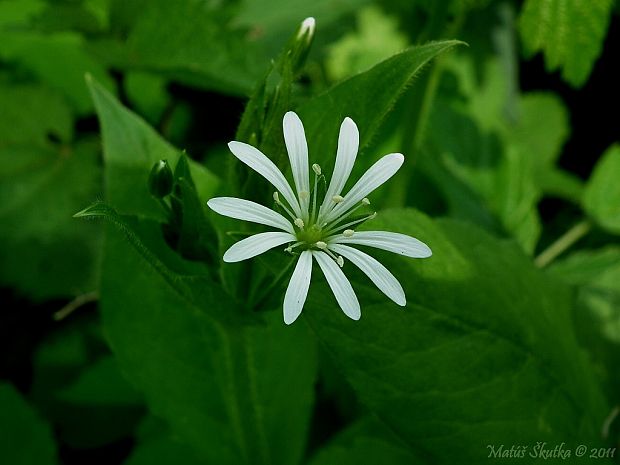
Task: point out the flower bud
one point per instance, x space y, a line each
160 180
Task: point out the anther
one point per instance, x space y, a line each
276 197
347 232
365 201
340 261
321 245
304 195
299 222
317 169
337 198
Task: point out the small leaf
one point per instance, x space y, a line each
569 32
602 194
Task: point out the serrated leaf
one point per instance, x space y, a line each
130 148
25 439
602 193
569 32
483 353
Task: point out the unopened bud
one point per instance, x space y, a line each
160 180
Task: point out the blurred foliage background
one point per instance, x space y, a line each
514 133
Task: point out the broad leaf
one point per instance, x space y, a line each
236 394
483 353
25 439
602 194
366 98
569 32
130 148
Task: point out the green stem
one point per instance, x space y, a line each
561 244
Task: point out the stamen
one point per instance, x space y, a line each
304 195
317 169
337 198
276 199
342 217
337 258
299 223
321 245
340 261
347 232
290 248
352 223
365 201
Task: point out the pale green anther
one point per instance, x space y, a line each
321 245
276 197
317 169
304 195
347 232
299 222
365 201
337 198
340 261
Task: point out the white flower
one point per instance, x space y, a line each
317 229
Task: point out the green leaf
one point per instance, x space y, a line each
483 353
45 254
130 148
377 38
237 394
366 442
30 114
595 274
602 194
60 60
366 98
25 439
569 32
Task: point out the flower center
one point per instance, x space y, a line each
310 235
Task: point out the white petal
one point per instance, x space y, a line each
256 245
378 274
257 160
297 148
340 285
376 175
348 144
390 241
297 289
247 210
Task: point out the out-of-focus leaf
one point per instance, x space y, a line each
473 359
602 193
163 451
45 253
60 60
147 92
597 274
31 114
130 148
236 394
569 32
376 39
367 442
25 439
